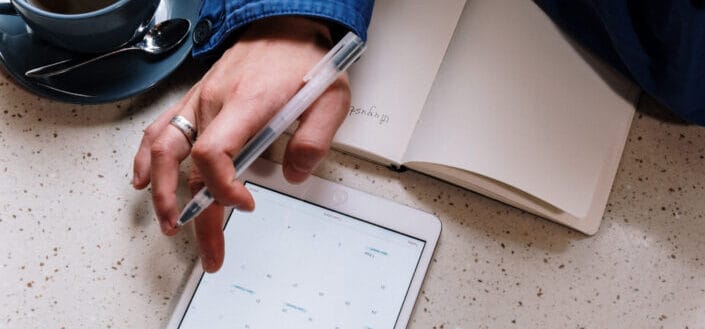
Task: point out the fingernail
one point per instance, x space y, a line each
304 168
207 262
166 227
135 177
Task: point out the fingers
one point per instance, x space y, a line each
142 162
209 229
209 233
317 127
214 151
166 153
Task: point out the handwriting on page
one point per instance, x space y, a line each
369 113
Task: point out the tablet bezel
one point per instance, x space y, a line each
370 208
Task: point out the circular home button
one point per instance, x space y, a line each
340 197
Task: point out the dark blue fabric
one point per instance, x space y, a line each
227 16
660 44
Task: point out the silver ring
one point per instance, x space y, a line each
186 127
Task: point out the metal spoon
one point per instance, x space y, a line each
160 39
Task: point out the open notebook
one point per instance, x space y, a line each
491 96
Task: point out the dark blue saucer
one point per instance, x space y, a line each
108 80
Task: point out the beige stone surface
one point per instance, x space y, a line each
79 248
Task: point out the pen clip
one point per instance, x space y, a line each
344 53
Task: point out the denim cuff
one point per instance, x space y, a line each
219 19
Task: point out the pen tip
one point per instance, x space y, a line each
190 212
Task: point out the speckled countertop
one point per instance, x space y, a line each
80 249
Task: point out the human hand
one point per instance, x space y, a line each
231 103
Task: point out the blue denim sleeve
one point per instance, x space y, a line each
220 18
660 44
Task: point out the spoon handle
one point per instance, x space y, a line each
70 64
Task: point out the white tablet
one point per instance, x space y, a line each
314 255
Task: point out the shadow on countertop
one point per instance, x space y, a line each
54 113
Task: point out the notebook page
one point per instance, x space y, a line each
516 102
390 83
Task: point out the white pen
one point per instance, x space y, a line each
331 66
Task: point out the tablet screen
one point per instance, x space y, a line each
293 264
